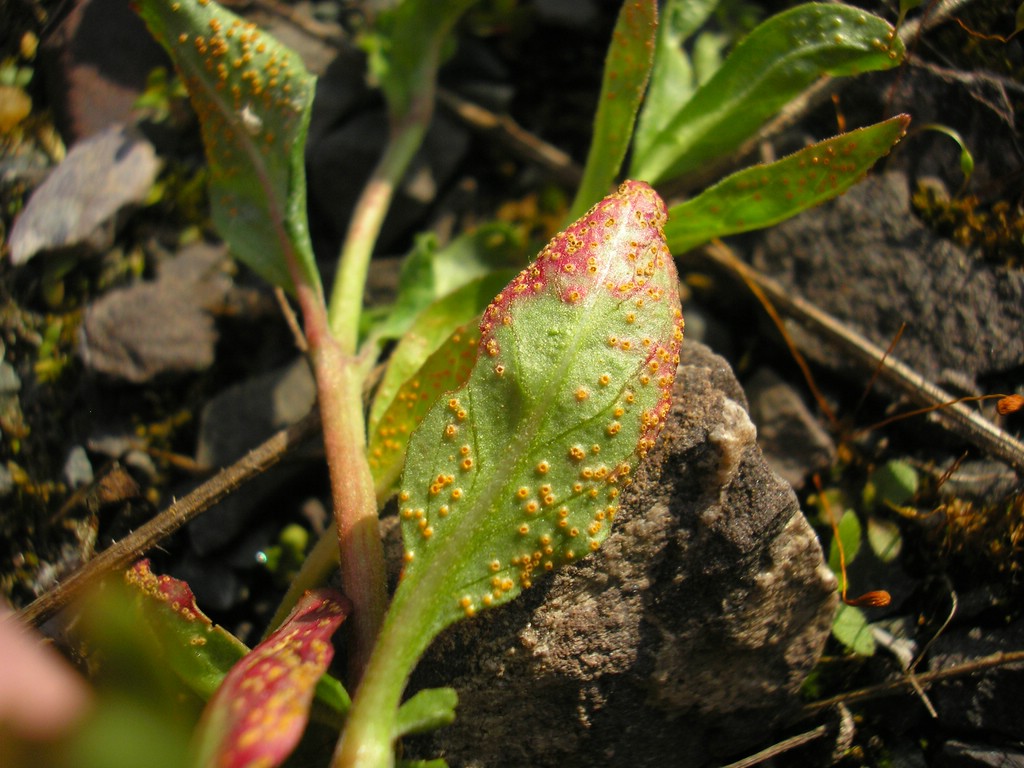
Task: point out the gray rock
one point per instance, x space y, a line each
147 329
685 637
866 259
957 754
988 702
6 481
95 61
230 425
77 468
79 204
792 440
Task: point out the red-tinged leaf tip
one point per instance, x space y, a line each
259 713
176 593
578 266
635 214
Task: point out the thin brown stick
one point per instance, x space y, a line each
121 554
953 416
894 687
782 747
516 138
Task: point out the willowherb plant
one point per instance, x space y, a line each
520 470
516 420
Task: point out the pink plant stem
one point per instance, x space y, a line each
339 391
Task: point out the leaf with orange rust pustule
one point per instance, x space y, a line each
197 651
259 713
519 471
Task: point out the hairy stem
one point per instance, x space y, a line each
339 390
369 735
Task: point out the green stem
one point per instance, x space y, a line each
347 294
368 739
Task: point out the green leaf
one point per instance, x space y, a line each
198 652
429 274
427 711
849 536
672 78
893 484
405 50
763 195
850 627
259 712
626 69
885 538
520 470
253 98
446 369
966 158
771 66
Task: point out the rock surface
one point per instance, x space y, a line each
986 704
157 327
793 441
81 202
866 259
684 638
95 61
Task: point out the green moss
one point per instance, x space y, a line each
997 229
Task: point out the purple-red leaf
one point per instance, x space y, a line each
259 713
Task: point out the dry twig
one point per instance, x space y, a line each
121 554
954 416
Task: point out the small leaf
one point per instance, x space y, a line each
260 711
446 369
849 537
764 195
966 158
427 711
906 6
850 627
429 274
406 47
520 470
893 484
253 97
672 77
885 538
767 69
626 69
198 652
428 332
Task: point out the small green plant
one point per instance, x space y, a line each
512 415
887 488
